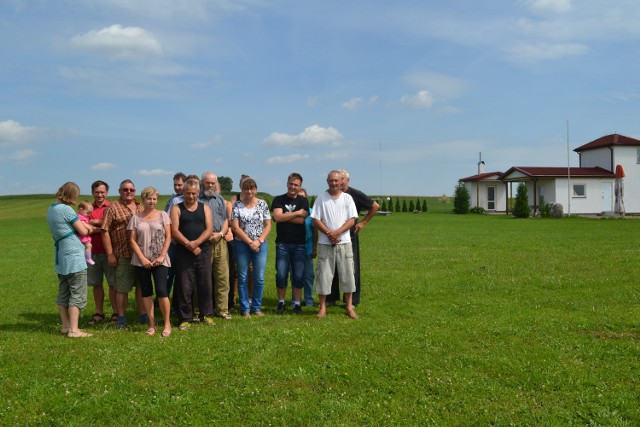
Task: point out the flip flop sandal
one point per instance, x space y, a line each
96 318
151 331
166 333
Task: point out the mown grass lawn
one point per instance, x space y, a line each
465 320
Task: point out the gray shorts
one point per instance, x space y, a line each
99 269
72 290
125 275
330 259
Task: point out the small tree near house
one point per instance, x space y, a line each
461 199
521 209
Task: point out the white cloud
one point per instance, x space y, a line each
207 144
21 156
373 100
103 166
440 86
118 42
549 6
291 158
334 156
422 99
352 104
313 135
526 53
154 172
13 133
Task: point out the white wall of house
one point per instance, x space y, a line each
479 193
598 196
598 157
622 155
629 158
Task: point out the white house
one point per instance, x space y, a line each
587 189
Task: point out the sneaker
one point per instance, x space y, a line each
144 319
184 326
225 316
280 309
208 320
246 315
297 309
122 323
258 313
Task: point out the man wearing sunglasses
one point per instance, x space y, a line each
116 245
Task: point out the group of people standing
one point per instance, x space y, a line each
200 244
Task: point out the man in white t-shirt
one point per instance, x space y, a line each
334 214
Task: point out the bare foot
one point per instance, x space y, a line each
78 334
322 313
64 330
166 332
352 314
151 331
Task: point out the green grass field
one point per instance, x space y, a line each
465 320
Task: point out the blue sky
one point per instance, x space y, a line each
403 94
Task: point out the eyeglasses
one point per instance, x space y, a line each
129 190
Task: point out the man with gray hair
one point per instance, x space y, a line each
363 202
210 195
334 214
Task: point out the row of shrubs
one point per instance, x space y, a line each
390 205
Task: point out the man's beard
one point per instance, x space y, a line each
209 193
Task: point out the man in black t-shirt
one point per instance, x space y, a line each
289 213
363 202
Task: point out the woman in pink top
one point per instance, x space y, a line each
150 239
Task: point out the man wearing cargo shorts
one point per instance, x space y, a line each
116 245
101 267
333 214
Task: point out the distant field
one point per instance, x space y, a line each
465 320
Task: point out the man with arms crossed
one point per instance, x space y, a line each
289 213
334 213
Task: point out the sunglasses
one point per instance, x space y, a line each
129 190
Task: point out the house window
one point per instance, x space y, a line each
638 161
579 190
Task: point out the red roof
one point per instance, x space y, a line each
482 176
608 141
557 172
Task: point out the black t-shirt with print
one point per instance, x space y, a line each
288 232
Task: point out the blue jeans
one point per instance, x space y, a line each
308 280
309 276
244 255
290 257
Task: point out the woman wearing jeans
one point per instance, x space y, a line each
251 224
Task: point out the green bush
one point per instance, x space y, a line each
477 210
522 208
461 199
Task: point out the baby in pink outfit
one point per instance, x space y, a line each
84 210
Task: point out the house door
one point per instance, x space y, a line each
607 204
491 198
